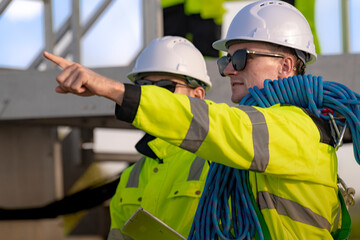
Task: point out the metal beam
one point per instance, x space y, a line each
95 16
67 27
3 5
58 35
30 95
345 26
48 30
152 20
75 31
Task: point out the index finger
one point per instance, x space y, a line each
61 62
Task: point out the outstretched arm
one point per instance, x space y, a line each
79 80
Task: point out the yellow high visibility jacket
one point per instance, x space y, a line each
206 8
292 163
169 187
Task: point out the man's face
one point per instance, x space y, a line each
258 69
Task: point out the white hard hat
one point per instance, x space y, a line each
275 22
174 55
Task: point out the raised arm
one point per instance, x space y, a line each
79 80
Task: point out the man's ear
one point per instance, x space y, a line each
199 92
287 67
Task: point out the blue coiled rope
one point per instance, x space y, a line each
312 93
215 218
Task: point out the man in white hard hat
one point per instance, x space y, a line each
276 32
287 152
167 181
290 182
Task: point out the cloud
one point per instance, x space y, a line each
21 10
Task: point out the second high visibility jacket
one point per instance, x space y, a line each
287 150
167 182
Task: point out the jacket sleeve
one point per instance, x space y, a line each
281 140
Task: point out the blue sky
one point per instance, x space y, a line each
116 38
118 31
328 23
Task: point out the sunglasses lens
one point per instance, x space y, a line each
143 82
238 60
169 85
222 63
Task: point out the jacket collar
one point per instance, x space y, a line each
155 148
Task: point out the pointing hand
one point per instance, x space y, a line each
81 81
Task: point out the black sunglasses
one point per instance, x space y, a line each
164 83
239 59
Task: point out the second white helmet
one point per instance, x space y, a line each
175 55
272 21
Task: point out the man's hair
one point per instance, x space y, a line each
299 66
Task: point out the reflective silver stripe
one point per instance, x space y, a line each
199 126
133 180
337 220
260 134
292 209
196 169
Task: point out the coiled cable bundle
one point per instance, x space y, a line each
215 218
312 93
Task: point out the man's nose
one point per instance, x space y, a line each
229 69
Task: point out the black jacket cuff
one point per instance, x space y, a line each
127 111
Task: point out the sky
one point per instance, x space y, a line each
118 31
117 38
